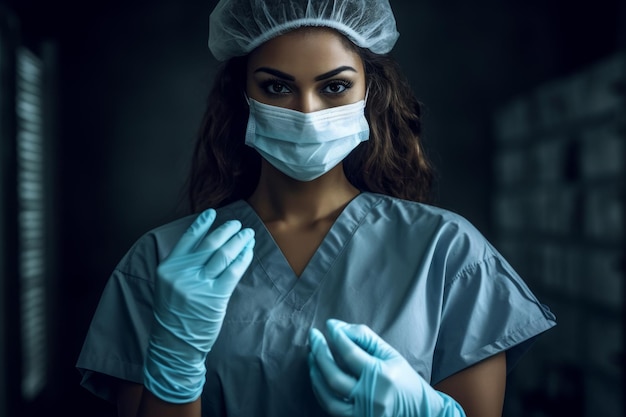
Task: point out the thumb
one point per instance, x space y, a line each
356 347
370 342
365 338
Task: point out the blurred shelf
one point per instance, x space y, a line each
559 210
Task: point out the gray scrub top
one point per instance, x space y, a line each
421 277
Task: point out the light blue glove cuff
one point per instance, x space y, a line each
374 397
172 378
450 407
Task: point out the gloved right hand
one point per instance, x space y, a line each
374 379
193 286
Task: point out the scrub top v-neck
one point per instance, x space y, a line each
421 277
277 269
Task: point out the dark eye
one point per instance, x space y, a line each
276 87
336 87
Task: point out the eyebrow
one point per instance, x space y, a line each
288 77
276 73
334 72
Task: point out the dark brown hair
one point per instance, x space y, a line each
391 162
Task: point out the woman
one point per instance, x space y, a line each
322 284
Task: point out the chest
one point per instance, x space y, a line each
353 272
299 244
259 361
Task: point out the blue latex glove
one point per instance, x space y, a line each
368 378
193 286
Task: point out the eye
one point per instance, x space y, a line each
337 87
274 87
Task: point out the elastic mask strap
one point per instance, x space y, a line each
245 95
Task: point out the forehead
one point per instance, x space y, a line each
308 50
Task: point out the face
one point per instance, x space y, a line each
306 70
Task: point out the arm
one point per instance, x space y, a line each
193 286
480 388
133 400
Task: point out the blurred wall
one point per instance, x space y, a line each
134 75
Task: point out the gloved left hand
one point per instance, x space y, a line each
366 377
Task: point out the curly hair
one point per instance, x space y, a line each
391 162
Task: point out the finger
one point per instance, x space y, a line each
337 380
370 342
223 256
325 396
218 237
230 277
350 354
194 233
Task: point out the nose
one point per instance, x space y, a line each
308 103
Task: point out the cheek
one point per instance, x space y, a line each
358 91
363 88
253 90
249 87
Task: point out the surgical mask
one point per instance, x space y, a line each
305 146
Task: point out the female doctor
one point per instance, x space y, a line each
313 279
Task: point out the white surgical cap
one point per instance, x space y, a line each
236 27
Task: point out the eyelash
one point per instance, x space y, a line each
344 83
267 84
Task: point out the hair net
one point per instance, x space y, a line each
236 27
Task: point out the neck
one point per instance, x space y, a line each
279 198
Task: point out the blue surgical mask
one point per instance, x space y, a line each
305 146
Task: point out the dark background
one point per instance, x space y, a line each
132 80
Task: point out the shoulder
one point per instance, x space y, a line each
150 248
154 245
443 236
430 220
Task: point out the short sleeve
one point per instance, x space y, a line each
117 338
487 308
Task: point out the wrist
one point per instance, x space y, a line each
447 406
174 372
